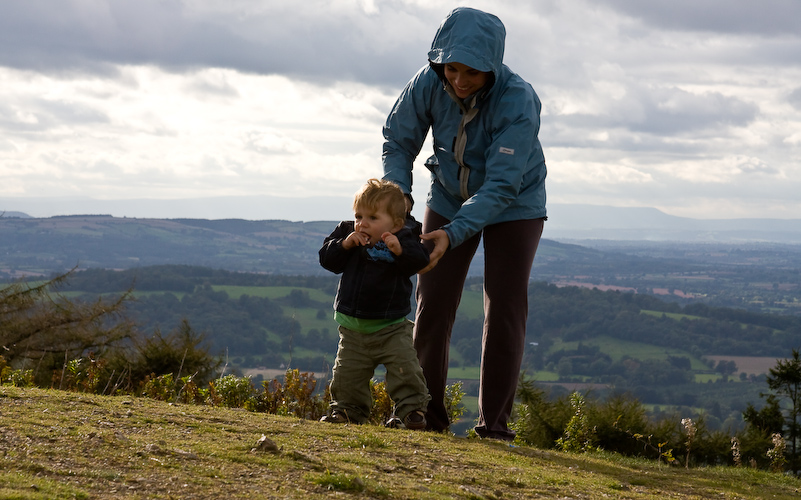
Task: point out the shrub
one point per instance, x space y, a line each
295 396
83 374
777 453
615 420
383 407
17 378
230 391
190 393
578 435
182 351
537 421
160 388
453 401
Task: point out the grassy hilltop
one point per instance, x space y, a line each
69 445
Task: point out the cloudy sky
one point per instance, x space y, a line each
689 106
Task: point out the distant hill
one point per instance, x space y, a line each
60 243
103 241
565 221
590 222
761 276
15 215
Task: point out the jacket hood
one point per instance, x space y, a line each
470 37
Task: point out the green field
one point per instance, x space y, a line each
472 304
676 316
463 373
318 315
617 348
472 307
271 292
308 317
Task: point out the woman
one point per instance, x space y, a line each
487 179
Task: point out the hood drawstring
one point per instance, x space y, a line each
469 111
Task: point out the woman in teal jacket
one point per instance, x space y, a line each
487 179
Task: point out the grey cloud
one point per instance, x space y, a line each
73 113
765 17
6 145
665 112
784 51
105 167
57 35
40 115
580 132
218 88
795 98
757 167
319 45
43 35
675 111
10 119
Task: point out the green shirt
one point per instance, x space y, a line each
364 325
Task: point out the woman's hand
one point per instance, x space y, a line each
441 243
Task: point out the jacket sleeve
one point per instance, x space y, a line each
511 155
333 257
414 256
407 127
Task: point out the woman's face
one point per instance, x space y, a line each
464 79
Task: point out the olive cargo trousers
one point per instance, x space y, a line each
359 354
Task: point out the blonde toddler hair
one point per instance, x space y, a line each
379 194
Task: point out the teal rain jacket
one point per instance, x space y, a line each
493 169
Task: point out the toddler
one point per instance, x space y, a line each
376 254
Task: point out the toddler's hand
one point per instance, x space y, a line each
355 239
392 243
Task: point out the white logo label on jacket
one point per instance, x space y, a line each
507 151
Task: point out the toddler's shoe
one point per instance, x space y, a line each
415 420
336 417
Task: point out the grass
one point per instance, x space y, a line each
68 445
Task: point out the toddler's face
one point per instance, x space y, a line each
374 223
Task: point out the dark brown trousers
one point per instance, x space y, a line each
509 249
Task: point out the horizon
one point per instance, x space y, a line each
263 207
